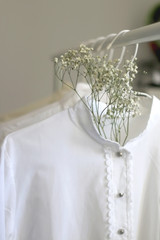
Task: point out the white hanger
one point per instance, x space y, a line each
142 94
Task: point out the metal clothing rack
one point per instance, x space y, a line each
143 34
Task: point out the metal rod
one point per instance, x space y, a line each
143 34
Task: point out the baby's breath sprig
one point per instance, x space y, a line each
108 83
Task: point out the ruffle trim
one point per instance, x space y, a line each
129 168
109 197
109 216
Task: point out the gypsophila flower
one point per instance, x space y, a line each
104 79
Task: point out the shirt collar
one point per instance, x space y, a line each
83 117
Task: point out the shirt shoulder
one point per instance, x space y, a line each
52 124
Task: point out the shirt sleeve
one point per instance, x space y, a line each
2 205
7 195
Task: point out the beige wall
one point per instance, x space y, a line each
32 31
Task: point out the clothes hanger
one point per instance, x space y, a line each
109 46
101 44
108 81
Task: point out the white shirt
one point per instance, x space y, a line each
68 99
63 181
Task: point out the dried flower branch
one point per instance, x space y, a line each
108 83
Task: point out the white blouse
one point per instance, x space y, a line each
63 181
68 99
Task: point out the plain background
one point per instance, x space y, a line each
32 31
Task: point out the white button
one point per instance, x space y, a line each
121 231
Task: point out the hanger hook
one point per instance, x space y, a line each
114 39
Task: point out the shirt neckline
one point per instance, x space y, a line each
85 120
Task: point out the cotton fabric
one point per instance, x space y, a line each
61 180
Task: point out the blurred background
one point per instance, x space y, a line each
33 31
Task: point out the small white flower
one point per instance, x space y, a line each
104 77
56 60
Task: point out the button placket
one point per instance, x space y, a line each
121 154
120 196
126 195
117 225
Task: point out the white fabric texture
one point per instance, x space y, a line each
67 100
62 180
